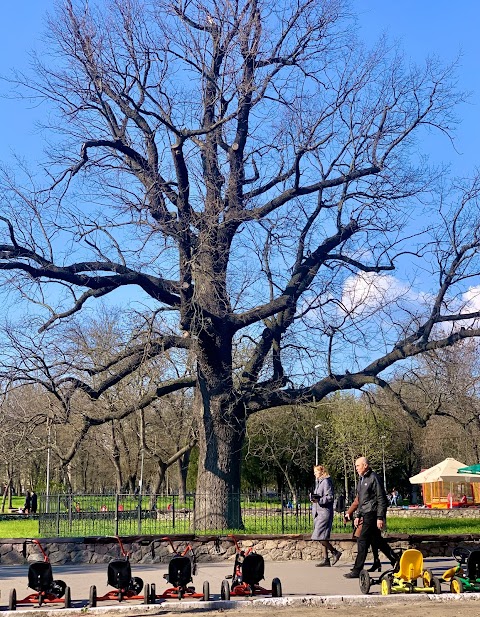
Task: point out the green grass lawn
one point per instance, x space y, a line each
17 502
443 526
19 529
29 528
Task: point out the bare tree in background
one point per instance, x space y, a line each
112 426
441 391
251 170
282 441
21 440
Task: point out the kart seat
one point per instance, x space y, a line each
473 565
119 573
253 569
40 576
410 566
179 571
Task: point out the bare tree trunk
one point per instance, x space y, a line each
67 477
131 483
85 473
217 504
7 491
157 482
116 460
183 464
10 493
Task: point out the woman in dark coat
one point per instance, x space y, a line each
322 512
34 503
28 503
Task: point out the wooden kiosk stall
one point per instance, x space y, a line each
443 486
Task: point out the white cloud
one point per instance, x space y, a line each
471 299
367 292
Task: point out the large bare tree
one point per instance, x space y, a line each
251 169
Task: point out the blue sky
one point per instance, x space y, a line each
445 29
422 27
21 29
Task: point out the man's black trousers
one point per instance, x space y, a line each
370 535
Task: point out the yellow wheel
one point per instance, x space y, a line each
456 585
427 578
386 586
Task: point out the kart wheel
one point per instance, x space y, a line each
386 586
92 598
427 578
12 600
136 585
206 591
437 587
146 594
225 590
40 599
456 585
68 597
364 581
58 588
120 595
153 593
276 588
181 593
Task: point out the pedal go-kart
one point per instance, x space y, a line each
181 567
119 576
367 580
47 590
466 575
404 577
248 571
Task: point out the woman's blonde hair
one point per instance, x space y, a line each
322 469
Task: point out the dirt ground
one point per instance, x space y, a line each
425 609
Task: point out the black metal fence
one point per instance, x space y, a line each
71 515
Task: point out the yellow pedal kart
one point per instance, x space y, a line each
406 576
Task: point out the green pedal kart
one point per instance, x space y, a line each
465 576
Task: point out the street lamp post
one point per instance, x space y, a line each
317 426
383 437
141 473
47 487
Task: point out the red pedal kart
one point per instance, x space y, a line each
181 567
47 590
248 571
119 576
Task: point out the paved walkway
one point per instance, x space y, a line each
301 581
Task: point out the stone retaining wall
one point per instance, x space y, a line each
148 549
435 513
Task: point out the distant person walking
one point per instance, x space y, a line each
322 511
34 503
339 503
27 506
372 510
394 497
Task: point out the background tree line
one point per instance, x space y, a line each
157 446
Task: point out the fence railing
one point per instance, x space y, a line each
122 514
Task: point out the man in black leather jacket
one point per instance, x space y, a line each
372 508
